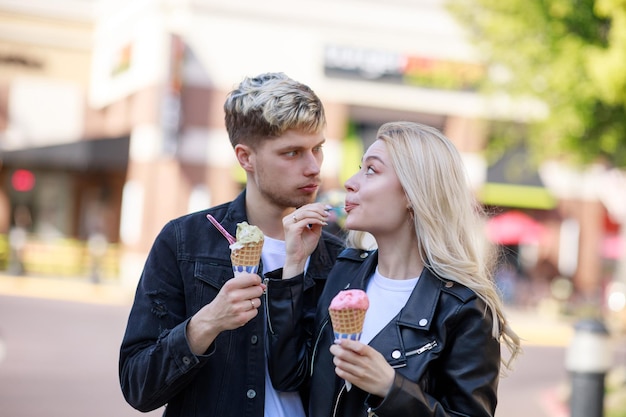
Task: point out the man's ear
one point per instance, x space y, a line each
245 156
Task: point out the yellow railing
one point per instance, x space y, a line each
4 251
62 258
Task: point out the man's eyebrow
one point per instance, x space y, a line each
299 147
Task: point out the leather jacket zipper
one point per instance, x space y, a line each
370 412
336 406
427 346
266 307
317 341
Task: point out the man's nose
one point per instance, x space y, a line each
313 164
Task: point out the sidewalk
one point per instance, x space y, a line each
540 328
69 289
534 327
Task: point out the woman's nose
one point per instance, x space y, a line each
350 184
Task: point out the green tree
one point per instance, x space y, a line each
569 54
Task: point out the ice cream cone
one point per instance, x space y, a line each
347 323
347 313
247 257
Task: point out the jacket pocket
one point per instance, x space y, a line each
209 278
213 272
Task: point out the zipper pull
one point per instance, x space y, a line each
426 347
370 412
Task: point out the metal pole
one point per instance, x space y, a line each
588 359
587 398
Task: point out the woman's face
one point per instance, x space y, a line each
375 200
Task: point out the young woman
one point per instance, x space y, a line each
432 335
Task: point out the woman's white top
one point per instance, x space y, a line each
387 297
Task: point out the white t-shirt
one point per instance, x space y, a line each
278 404
387 297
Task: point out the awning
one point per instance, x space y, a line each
83 155
520 196
613 247
514 228
514 182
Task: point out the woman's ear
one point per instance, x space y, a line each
409 207
245 156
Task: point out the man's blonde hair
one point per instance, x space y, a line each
268 105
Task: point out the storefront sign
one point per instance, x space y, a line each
394 67
20 60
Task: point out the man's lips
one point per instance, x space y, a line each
309 187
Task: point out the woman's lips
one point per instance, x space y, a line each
349 206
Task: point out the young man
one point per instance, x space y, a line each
196 335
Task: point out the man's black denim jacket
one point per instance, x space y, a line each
187 265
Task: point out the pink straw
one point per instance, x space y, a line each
219 227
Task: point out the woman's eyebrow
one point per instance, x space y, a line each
373 157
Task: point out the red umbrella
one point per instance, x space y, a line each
613 247
513 228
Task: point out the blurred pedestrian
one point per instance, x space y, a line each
196 335
430 344
18 238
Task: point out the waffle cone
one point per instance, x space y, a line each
347 321
249 255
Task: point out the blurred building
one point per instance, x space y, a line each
111 115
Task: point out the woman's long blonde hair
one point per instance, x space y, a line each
449 222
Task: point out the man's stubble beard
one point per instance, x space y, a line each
282 199
279 197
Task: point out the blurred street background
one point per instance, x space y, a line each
111 124
60 340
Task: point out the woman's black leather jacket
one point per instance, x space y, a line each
447 361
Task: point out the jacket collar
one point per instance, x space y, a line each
237 212
420 308
365 263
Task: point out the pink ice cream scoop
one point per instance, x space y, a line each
347 312
355 299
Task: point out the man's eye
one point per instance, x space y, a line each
291 153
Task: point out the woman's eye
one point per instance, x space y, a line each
370 170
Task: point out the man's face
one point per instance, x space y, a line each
287 168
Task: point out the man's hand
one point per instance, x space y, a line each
236 304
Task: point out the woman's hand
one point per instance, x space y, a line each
303 229
362 366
